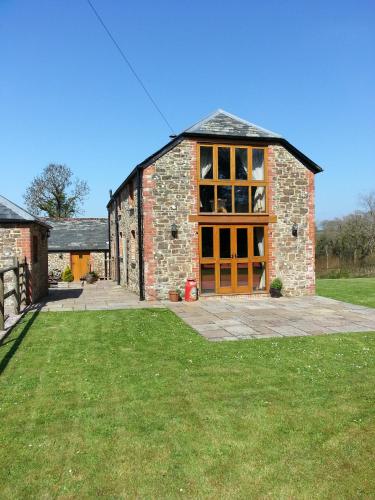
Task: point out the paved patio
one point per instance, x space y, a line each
234 319
103 295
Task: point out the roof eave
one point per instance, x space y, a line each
26 222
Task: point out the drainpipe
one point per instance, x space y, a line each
140 234
117 245
108 266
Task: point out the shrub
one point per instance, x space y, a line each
67 275
276 284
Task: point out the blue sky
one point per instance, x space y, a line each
303 69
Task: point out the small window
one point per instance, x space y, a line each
131 194
224 199
207 241
258 199
35 249
132 246
241 199
206 162
241 164
258 164
224 163
207 198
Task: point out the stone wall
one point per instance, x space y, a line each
59 261
127 200
16 242
291 199
97 263
170 196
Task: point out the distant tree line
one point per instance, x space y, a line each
349 241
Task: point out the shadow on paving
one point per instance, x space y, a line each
17 341
55 295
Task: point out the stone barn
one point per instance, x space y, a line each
24 237
81 244
226 202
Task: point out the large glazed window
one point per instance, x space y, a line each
232 179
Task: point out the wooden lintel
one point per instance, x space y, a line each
233 219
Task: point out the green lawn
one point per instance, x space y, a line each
356 290
135 404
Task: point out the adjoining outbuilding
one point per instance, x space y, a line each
24 238
81 244
226 202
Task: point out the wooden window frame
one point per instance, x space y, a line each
232 181
251 259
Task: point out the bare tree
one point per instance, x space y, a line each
56 193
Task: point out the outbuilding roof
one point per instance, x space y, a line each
10 212
78 234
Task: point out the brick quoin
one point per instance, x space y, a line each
149 185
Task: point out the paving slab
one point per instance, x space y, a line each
266 318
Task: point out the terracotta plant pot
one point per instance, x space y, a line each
174 296
275 293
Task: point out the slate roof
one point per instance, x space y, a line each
225 124
10 212
78 234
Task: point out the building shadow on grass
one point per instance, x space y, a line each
26 324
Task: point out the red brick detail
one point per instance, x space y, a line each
195 227
149 232
271 241
310 246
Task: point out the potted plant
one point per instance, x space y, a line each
67 275
276 287
174 295
91 277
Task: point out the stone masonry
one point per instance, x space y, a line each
291 199
170 196
16 242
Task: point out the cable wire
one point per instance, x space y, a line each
130 66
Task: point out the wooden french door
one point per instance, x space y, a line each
233 259
80 264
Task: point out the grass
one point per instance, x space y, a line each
135 404
355 290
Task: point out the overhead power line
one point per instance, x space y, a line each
130 66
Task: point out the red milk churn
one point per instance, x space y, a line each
191 292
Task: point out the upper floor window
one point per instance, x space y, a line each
232 179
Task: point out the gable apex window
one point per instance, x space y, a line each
232 179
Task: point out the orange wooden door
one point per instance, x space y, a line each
80 264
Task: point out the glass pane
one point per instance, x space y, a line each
224 237
241 199
207 171
258 241
241 242
259 276
258 199
225 275
242 274
208 278
241 163
207 241
224 199
224 163
207 198
258 164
